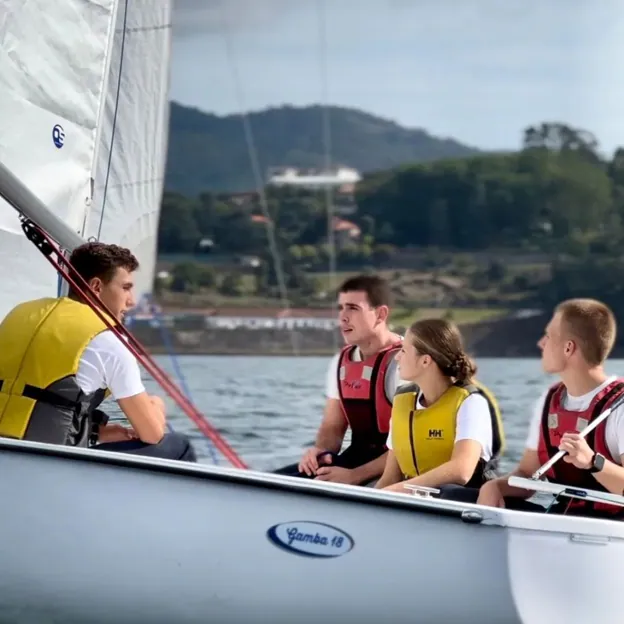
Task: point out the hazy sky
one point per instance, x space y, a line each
476 70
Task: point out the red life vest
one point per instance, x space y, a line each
556 420
361 387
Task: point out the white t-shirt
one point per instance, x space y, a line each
107 363
474 422
392 382
614 432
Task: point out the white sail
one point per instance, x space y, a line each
53 65
129 178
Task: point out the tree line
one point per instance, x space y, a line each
556 195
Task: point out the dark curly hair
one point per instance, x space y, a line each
101 260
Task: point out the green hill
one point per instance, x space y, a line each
209 153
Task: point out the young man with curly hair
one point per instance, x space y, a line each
59 360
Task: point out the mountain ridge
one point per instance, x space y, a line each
209 152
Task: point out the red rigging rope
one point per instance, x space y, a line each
47 246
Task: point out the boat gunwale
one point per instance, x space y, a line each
490 517
226 474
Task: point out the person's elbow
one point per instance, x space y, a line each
146 418
151 429
465 461
152 434
462 474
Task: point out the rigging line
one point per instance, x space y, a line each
160 321
125 31
327 147
255 167
112 141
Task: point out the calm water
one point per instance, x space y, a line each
268 408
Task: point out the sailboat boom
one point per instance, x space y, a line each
27 203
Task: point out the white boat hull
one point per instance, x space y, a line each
87 536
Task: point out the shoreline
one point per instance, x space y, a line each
509 338
287 353
162 350
496 338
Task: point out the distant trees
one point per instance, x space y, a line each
556 195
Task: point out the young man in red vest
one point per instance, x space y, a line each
576 343
361 381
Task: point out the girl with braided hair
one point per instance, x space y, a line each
445 430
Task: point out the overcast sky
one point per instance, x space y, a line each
477 70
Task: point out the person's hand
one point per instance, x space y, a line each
336 475
579 452
490 495
116 433
309 462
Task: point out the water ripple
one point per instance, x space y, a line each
269 408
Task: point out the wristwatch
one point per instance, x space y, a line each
597 463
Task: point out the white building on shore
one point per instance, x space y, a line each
341 180
313 178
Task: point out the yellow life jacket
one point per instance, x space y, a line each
41 343
423 439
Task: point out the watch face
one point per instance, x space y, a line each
598 463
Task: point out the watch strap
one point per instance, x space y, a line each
598 463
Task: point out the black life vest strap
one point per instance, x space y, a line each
46 396
98 419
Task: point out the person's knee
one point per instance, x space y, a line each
178 446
